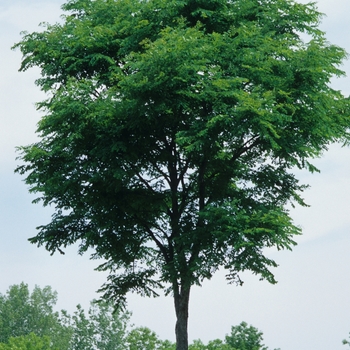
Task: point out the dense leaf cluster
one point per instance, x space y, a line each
172 129
22 312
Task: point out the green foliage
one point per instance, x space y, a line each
27 321
102 329
216 344
171 131
177 123
243 337
143 338
22 313
28 342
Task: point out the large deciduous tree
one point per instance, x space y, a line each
171 131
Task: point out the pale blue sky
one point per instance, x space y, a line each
310 306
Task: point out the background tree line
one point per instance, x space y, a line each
28 321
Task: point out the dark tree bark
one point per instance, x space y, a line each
181 300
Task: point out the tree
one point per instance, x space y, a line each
142 338
28 342
27 320
243 337
171 132
23 313
101 329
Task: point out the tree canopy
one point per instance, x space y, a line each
242 337
245 337
102 328
23 312
171 131
28 342
28 322
145 339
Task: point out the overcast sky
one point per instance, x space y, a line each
310 306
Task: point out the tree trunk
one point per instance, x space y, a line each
181 300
